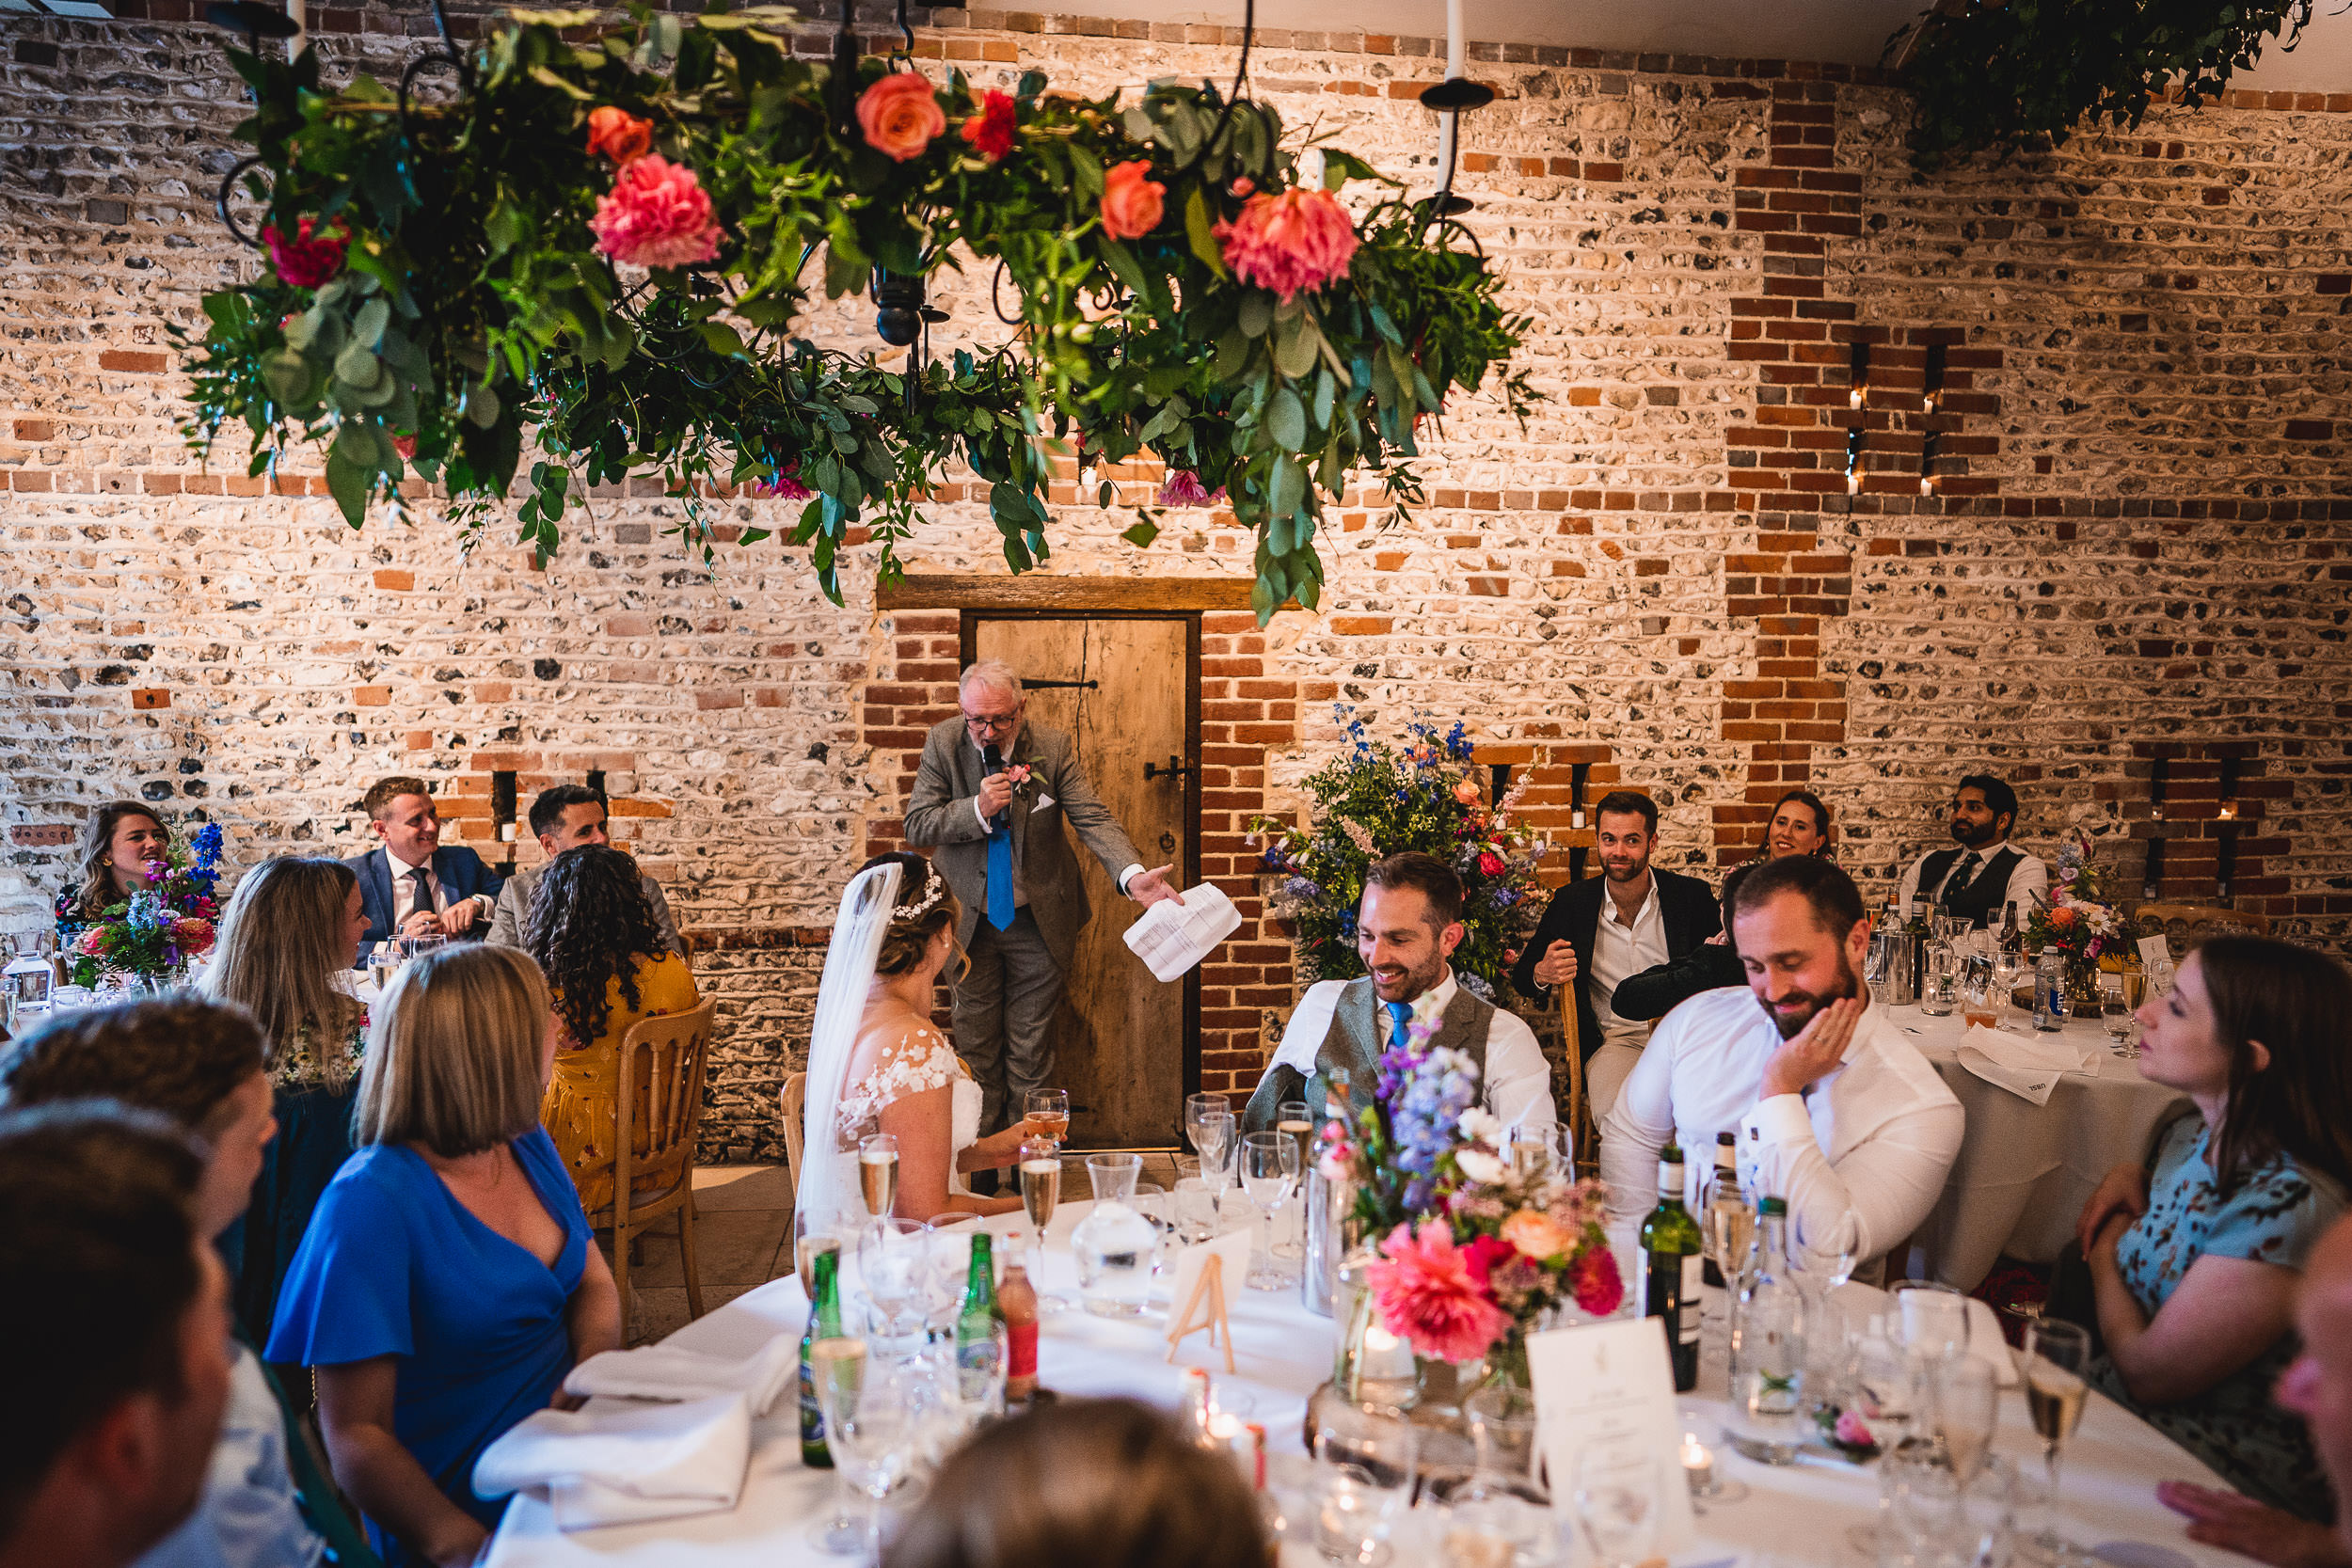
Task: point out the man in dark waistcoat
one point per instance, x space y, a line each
1982 871
1407 928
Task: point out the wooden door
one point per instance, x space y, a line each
1125 688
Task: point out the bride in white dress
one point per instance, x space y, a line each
900 1075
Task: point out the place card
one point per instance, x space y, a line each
2155 951
1611 1385
1205 1276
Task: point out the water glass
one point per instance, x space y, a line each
1268 1164
2117 1015
874 1420
1963 1405
1196 1218
1616 1502
893 1265
1363 1480
417 947
1939 983
1503 1429
1930 1318
1211 1126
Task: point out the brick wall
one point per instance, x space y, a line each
2135 543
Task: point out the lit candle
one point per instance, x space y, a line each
1854 480
1853 399
1927 484
506 833
1698 1464
2229 809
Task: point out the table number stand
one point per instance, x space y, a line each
1204 1308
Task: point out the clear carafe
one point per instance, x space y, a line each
1116 1245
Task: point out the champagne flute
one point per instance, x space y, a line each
1213 1139
874 1417
878 1173
892 1261
1966 1398
1049 1109
1269 1164
2057 1354
1041 1194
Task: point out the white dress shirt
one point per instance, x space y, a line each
404 890
1517 1086
1861 1156
2029 877
1019 897
1620 952
247 1516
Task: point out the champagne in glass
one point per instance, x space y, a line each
2055 1400
878 1173
1040 1181
1049 1109
1296 1122
2135 980
2056 1352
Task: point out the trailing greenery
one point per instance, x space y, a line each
2019 76
437 291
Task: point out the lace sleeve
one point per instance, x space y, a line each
919 1059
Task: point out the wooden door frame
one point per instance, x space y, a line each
1189 871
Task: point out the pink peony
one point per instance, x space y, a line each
990 132
657 215
1133 202
1302 239
1183 489
308 258
1595 1282
1426 1291
785 486
901 116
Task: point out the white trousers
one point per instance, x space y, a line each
1605 1075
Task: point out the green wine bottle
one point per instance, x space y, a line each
1671 1268
824 1322
976 1360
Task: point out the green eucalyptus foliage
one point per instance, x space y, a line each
474 308
2019 76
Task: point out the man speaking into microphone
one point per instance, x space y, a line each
991 797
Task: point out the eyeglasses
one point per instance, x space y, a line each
977 723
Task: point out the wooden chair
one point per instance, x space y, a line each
1579 1115
2183 925
664 1066
792 1110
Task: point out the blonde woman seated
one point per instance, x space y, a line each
904 1078
594 933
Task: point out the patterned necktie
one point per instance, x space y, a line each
1958 881
1000 870
1401 1013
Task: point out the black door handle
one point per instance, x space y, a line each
1175 769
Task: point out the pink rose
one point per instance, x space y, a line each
657 215
1489 863
901 116
990 132
1302 239
1537 1235
308 258
619 134
1854 1432
1466 792
1133 202
1425 1292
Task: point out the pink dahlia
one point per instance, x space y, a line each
657 215
194 936
1434 1293
1595 1282
1183 489
1302 239
311 257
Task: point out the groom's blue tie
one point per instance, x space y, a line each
1000 870
1401 1013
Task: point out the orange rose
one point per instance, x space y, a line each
1537 1236
901 116
1131 203
619 134
1466 791
2062 916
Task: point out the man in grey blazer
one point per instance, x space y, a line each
991 799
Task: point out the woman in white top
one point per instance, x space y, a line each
903 1078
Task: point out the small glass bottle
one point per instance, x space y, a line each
1016 1305
1768 1358
824 1322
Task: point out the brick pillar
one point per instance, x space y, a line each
1246 710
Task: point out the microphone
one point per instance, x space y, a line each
993 760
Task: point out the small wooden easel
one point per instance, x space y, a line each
1210 1314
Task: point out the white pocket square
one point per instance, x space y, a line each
1043 802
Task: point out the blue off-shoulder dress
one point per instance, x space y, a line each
393 1264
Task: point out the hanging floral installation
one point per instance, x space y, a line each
603 246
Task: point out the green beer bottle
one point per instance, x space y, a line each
976 1320
1671 1268
824 1322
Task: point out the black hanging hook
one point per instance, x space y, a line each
1453 96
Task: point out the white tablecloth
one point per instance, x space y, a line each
1281 1353
2024 1171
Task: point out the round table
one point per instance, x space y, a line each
1282 1351
2024 1171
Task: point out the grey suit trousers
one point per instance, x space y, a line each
1004 1013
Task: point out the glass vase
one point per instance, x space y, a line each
2082 986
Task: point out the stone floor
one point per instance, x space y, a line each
744 1239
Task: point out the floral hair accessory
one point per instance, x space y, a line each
933 889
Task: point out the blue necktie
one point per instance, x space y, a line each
1000 871
1402 1012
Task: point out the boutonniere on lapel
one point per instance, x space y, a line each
1024 780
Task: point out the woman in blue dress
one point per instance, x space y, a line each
448 1280
2193 1261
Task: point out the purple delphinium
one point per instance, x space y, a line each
1433 1088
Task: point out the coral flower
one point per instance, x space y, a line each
1302 239
619 134
1535 1234
1133 202
990 132
1183 489
1594 1280
1425 1289
309 257
657 215
901 116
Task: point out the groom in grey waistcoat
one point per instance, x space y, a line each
992 795
1407 930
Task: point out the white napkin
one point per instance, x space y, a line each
617 1465
667 1373
2027 1068
1986 1340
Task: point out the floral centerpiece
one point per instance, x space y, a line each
160 926
2074 920
1475 1246
1373 801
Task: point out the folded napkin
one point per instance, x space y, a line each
621 1465
2027 1067
1986 1340
667 1373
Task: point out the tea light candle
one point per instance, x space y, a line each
1698 1464
506 833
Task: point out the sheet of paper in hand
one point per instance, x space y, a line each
1172 938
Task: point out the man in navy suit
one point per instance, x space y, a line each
409 885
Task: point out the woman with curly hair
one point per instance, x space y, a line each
286 949
594 933
117 843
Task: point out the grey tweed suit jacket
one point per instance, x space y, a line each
941 818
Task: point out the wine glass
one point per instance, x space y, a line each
2115 1011
1269 1164
1616 1501
808 1240
2056 1352
1208 1123
948 1252
878 1173
874 1417
1964 1404
1049 1111
1363 1484
421 947
891 1265
1930 1318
